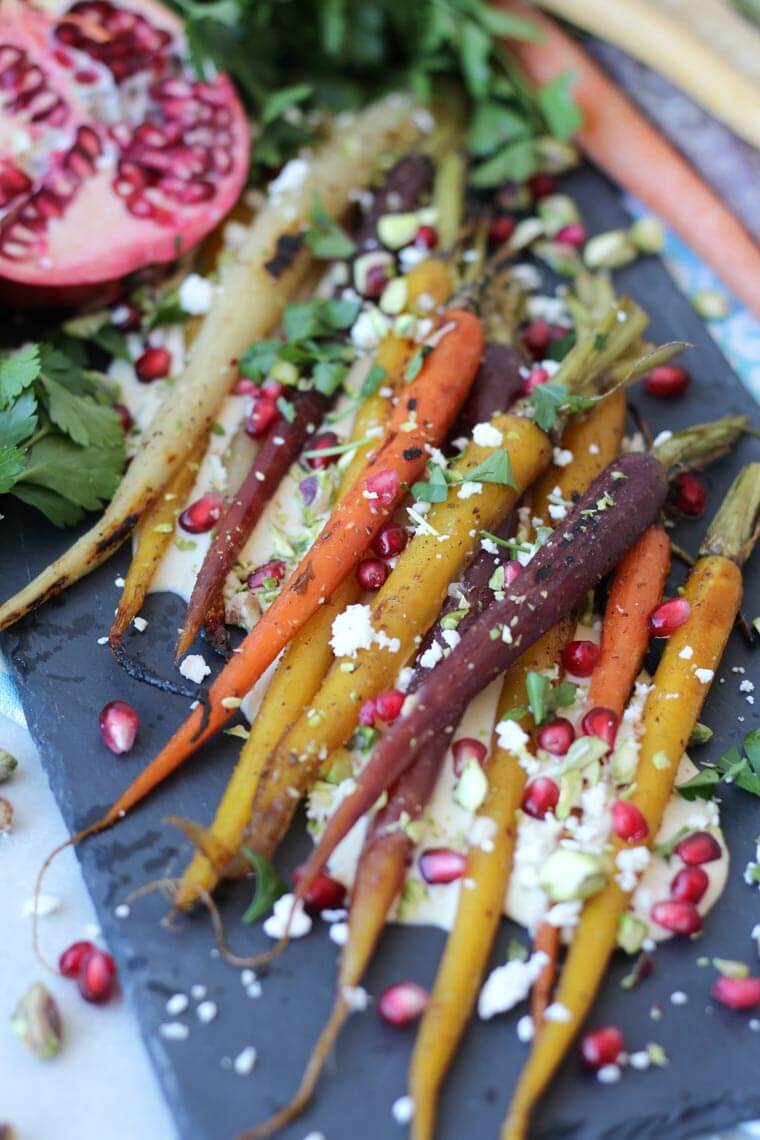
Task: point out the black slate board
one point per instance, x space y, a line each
65 678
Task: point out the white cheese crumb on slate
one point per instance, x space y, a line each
177 1004
403 1109
194 667
174 1031
245 1061
276 926
509 984
206 1012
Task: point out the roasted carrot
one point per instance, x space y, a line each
713 591
421 418
574 560
479 909
309 655
620 140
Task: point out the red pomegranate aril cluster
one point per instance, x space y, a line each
325 893
512 570
402 1003
688 494
262 415
697 848
536 338
677 915
601 722
371 573
273 571
383 486
667 381
72 957
154 364
426 237
126 318
600 1047
465 749
384 707
669 616
441 865
501 229
93 969
556 736
737 993
202 515
572 234
689 885
390 540
629 822
541 185
245 387
580 657
118 723
540 797
323 442
375 281
535 378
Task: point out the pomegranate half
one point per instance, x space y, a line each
113 155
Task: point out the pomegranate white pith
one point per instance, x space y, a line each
112 154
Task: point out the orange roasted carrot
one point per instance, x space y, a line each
637 587
620 140
422 417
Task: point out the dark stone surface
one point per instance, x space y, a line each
65 678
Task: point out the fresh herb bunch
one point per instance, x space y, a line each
61 442
294 59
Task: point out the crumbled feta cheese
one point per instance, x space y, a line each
509 984
678 997
356 997
640 1060
557 1012
489 546
746 687
276 926
631 861
432 655
404 678
608 1074
141 624
206 1012
403 1109
198 992
368 329
41 905
704 676
352 630
525 1029
562 457
663 437
174 1031
511 737
593 449
194 667
486 435
451 637
245 1061
177 1004
291 177
565 913
686 653
195 295
122 911
339 933
468 489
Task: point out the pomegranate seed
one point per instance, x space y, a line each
368 713
118 723
667 381
125 419
541 185
154 364
261 417
321 442
600 1047
375 281
536 377
72 957
385 485
245 387
126 318
512 570
697 848
390 540
580 657
402 1004
388 705
272 388
269 572
501 229
426 237
466 749
371 573
737 993
572 234
689 884
677 916
203 514
689 495
536 338
629 822
669 616
601 722
540 797
325 893
442 865
97 976
556 736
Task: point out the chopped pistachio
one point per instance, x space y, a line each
472 786
568 875
398 230
610 250
36 1021
730 968
8 765
701 734
648 235
710 305
631 933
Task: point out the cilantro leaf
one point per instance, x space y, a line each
372 381
259 358
544 699
325 237
18 371
18 421
58 510
546 401
556 101
734 767
328 376
280 101
286 409
436 489
11 466
80 418
497 468
86 477
515 162
414 367
319 317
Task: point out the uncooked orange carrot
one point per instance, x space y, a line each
637 587
422 417
620 140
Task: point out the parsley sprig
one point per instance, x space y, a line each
496 468
61 443
734 766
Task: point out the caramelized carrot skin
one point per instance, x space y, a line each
713 590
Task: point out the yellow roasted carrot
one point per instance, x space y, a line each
480 908
713 591
308 657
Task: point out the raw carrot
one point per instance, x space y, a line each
422 417
576 557
713 591
620 140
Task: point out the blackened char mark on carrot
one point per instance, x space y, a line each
412 453
387 442
300 583
288 246
117 536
